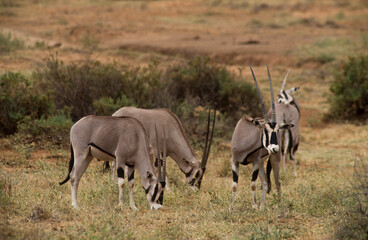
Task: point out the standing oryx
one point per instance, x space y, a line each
252 141
176 142
289 110
123 139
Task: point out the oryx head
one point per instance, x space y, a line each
154 191
195 177
269 128
285 95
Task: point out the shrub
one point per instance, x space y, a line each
53 130
96 88
8 44
75 87
19 98
350 90
213 85
353 223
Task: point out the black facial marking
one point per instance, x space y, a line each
160 199
285 94
146 190
255 175
154 193
191 183
267 142
94 145
197 174
131 177
120 172
235 177
272 125
189 173
273 138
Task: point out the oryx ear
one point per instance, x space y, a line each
286 125
149 175
256 123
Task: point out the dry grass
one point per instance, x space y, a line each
42 208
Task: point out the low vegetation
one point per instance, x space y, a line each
349 90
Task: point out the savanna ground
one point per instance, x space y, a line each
312 37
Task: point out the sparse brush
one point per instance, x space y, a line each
353 223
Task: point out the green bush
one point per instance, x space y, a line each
76 87
350 90
53 130
96 88
8 44
352 223
213 85
19 99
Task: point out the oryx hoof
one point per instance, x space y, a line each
156 206
254 206
261 207
134 208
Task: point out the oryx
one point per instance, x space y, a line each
120 139
252 141
177 144
289 109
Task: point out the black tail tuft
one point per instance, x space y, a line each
71 164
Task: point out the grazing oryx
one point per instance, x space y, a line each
253 139
123 139
288 108
177 144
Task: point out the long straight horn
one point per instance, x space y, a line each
204 160
210 141
283 83
260 96
164 155
273 118
158 155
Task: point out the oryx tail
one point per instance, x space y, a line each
71 164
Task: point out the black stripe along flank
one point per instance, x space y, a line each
245 162
94 145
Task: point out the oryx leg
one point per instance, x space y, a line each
253 184
285 148
121 184
262 176
130 174
82 158
292 157
268 173
275 162
235 169
113 169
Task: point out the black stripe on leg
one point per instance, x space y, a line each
255 175
131 177
120 172
235 177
